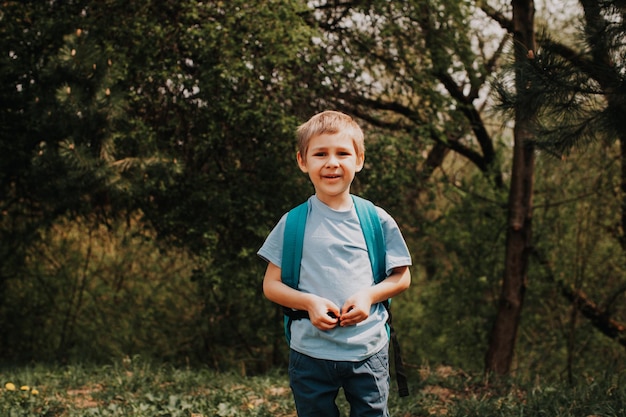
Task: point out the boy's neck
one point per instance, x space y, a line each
340 202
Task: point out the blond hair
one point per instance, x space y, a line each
329 122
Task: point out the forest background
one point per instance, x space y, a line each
147 148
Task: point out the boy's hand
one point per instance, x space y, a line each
324 314
355 309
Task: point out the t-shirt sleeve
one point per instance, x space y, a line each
397 251
272 249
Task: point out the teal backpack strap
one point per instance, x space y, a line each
373 233
293 241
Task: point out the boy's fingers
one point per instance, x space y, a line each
326 323
353 316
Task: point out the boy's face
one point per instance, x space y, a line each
331 161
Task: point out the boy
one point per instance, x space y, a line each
344 340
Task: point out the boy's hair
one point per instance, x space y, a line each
329 122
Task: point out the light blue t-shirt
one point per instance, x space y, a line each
335 265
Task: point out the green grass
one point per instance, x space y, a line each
142 389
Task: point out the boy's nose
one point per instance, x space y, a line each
332 160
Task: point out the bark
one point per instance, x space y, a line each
503 336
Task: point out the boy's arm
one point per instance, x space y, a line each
318 308
357 308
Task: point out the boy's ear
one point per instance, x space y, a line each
302 163
360 161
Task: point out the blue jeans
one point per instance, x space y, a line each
315 384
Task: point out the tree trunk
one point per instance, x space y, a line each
519 229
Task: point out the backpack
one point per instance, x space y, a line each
375 242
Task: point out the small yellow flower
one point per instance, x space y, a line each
24 388
34 392
9 386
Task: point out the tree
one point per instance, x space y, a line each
519 226
56 121
577 91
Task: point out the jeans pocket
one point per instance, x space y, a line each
380 361
294 360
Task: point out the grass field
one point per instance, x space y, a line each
141 389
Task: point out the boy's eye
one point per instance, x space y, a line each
338 153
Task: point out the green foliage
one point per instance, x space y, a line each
52 130
447 311
170 108
577 246
224 96
97 293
